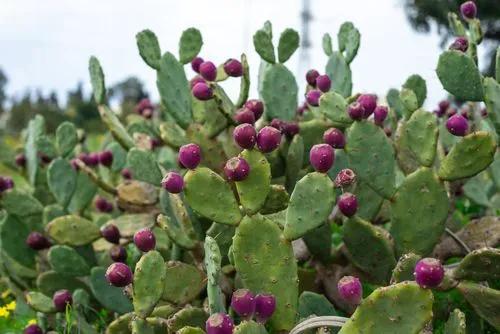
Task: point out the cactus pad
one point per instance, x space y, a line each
143 166
340 74
249 327
277 200
116 127
479 265
492 99
61 178
485 301
455 323
66 261
149 48
417 84
40 302
333 106
405 268
313 304
263 44
349 39
189 45
72 230
49 282
294 161
213 259
66 138
97 80
188 316
288 44
111 297
149 282
422 133
183 282
279 93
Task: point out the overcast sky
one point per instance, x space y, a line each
46 44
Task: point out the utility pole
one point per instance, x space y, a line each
304 55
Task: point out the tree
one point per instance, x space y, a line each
423 14
3 83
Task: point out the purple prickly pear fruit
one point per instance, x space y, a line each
457 125
245 136
190 156
92 159
311 77
236 169
219 323
268 139
290 129
429 272
484 113
348 204
233 68
155 142
380 114
145 240
388 132
20 160
256 106
350 290
145 108
3 184
173 182
277 123
323 83
195 64
322 157
119 274
334 137
244 115
62 298
265 304
368 102
312 97
44 158
202 91
356 111
126 173
208 70
344 178
243 303
106 158
301 109
195 80
465 113
37 241
103 205
451 112
444 105
118 253
32 329
8 183
468 10
460 44
111 233
74 164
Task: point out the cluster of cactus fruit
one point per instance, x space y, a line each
202 202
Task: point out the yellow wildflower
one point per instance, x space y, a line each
11 306
32 322
4 312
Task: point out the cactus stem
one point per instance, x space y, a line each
96 179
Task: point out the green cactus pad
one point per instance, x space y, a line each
422 133
116 127
468 157
479 265
141 326
66 261
84 192
175 232
460 76
455 323
66 138
51 212
173 206
149 282
400 308
277 200
279 93
62 179
406 159
326 43
137 193
456 25
149 48
213 259
183 282
349 40
120 325
418 213
110 297
20 204
72 230
245 82
288 44
36 128
174 90
97 80
254 189
313 304
188 316
492 100
409 100
189 45
294 161
333 106
319 242
360 235
417 84
249 327
265 262
371 156
212 151
310 204
128 224
340 74
263 44
13 234
405 268
40 302
143 166
208 194
395 103
49 282
191 330
485 301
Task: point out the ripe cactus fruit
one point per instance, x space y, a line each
350 290
460 44
33 329
119 274
348 204
118 253
20 160
219 323
368 102
244 115
233 68
380 114
344 178
61 298
323 83
196 79
37 241
243 303
236 169
126 174
208 70
311 77
245 136
190 156
145 240
290 129
92 159
144 107
106 158
322 157
429 273
202 91
6 183
256 106
268 139
334 137
195 64
312 97
265 304
103 205
457 125
173 182
111 233
468 10
356 111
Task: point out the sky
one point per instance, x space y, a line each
46 44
